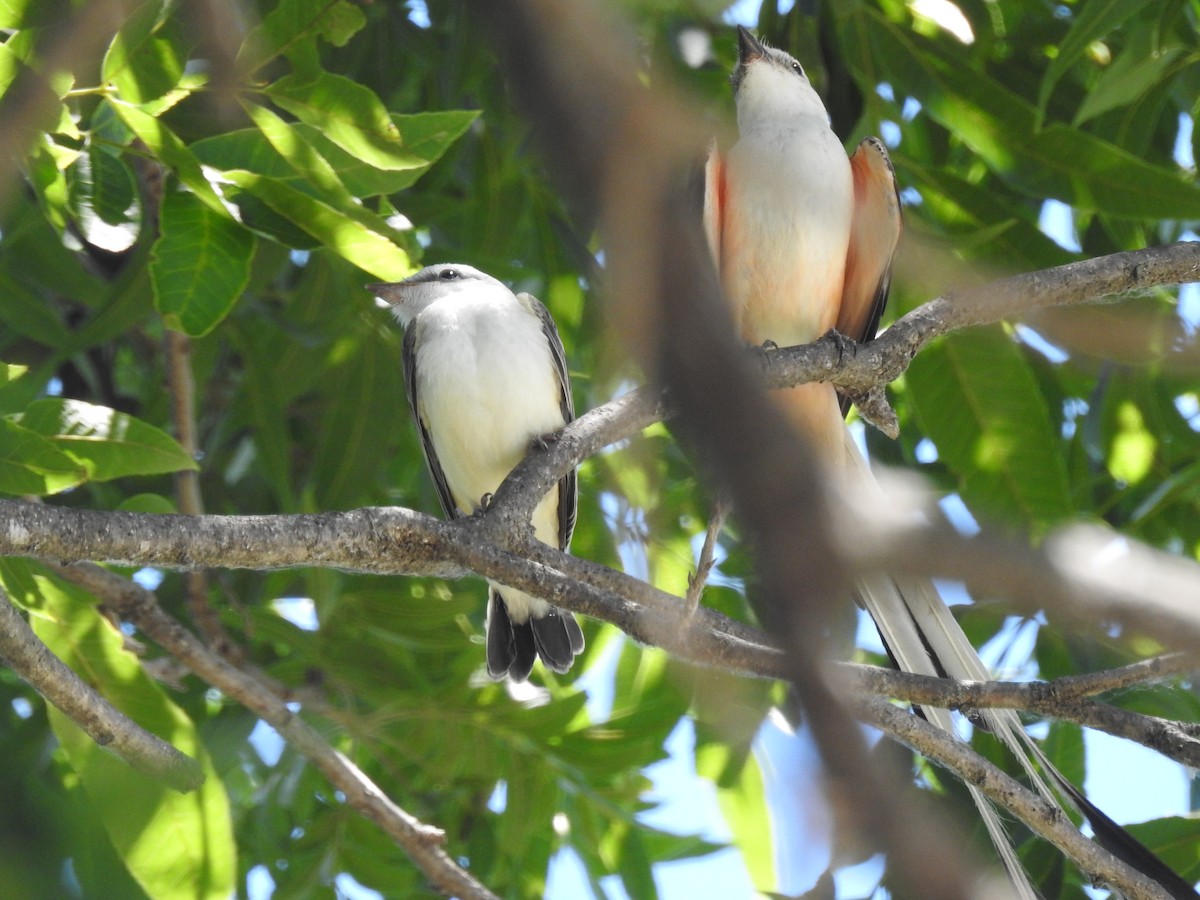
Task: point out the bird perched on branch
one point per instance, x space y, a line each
803 238
486 376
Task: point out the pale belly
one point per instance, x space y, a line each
484 400
785 236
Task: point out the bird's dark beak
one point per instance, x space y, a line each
386 290
749 49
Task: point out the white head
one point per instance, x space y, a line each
769 86
408 298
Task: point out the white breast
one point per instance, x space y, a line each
486 386
790 197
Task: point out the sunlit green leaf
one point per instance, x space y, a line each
10 372
107 443
349 238
426 137
147 56
292 22
744 805
1132 453
980 406
31 464
175 845
349 114
200 265
172 152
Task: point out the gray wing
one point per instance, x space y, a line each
410 388
567 499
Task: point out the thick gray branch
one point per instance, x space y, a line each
105 724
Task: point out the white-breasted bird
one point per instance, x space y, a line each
486 376
803 238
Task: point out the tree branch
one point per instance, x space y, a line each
1060 699
177 349
1042 817
864 371
422 843
105 724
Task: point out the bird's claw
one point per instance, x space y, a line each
543 441
843 343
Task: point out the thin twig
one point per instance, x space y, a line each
1063 698
704 565
178 352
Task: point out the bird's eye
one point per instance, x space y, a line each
798 69
448 274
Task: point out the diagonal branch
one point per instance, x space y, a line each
104 723
869 367
423 843
1042 817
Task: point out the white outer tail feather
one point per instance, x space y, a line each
895 604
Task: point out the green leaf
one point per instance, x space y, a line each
29 314
200 264
1081 169
177 846
146 58
295 22
349 238
102 183
10 372
30 464
426 137
1064 746
148 503
107 443
172 152
347 113
1094 20
1174 840
1129 77
296 149
17 14
345 447
980 405
743 802
51 186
